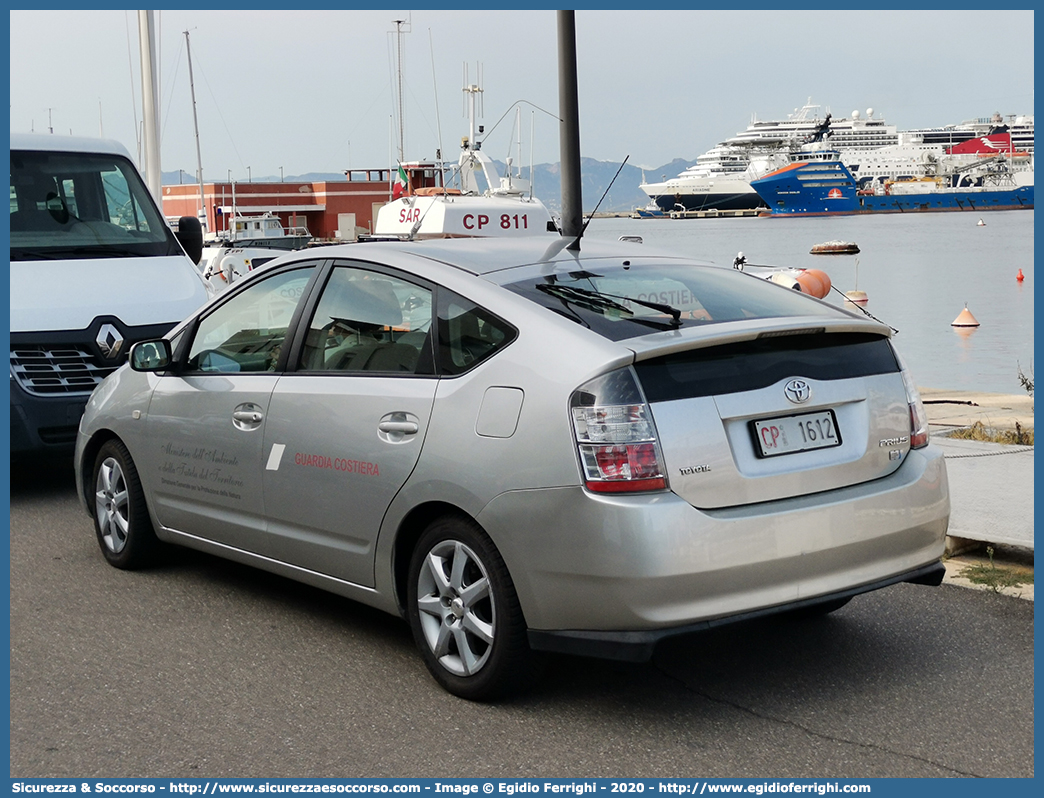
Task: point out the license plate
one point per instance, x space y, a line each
790 434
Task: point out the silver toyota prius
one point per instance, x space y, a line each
521 447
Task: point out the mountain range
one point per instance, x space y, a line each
595 176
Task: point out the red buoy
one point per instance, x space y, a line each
1020 276
814 282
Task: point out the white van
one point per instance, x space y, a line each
94 268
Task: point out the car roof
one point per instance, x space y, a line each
482 256
52 143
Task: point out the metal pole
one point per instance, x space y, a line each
402 121
150 94
195 126
569 132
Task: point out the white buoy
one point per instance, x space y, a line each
965 319
982 223
855 296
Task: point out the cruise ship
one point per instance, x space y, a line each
720 178
872 150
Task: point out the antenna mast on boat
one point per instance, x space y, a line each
201 212
398 46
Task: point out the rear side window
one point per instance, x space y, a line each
749 365
620 302
468 334
369 322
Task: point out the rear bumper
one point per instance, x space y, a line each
597 567
639 646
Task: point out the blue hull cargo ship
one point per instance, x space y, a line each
975 177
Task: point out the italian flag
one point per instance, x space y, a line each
401 184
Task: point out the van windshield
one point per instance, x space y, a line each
82 205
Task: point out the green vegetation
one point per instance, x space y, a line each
997 577
980 432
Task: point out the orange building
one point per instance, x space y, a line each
331 210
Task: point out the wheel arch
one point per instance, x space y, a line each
409 531
86 465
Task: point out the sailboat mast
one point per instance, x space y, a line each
201 212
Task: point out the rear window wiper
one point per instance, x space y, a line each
599 300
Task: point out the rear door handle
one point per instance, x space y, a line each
405 427
398 427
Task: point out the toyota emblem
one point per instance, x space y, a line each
798 391
110 341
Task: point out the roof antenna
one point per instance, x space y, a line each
576 242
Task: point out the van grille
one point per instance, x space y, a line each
60 369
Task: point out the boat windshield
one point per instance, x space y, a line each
72 205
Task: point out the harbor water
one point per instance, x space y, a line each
918 270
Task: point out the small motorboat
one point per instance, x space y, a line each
835 248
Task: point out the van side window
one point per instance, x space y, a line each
468 334
247 332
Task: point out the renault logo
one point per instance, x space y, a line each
798 391
110 342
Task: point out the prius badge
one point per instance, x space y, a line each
798 391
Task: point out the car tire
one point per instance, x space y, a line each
121 518
465 614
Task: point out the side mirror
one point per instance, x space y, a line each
151 355
190 236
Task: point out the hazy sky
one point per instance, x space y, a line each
315 91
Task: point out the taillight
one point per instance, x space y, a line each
918 417
615 436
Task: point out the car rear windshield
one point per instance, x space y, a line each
71 205
625 301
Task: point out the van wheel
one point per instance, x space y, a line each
121 519
465 615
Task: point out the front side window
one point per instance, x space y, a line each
247 333
366 321
82 205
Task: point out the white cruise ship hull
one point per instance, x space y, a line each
703 194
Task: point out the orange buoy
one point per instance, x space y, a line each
814 282
1020 276
965 319
857 297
